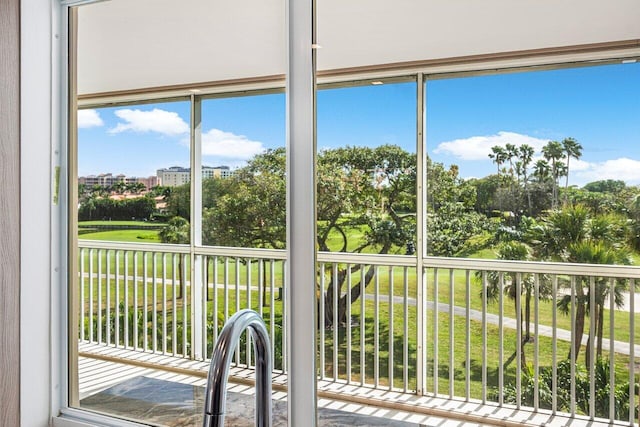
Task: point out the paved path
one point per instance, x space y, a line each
620 347
627 298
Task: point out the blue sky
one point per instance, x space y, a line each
598 106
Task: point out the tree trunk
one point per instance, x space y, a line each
334 280
523 340
181 281
587 353
527 316
600 328
579 329
343 300
566 183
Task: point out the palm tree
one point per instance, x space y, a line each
553 152
572 148
541 171
119 187
136 187
525 152
511 284
511 152
576 235
633 206
597 252
99 191
498 155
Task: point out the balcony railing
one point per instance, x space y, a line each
503 333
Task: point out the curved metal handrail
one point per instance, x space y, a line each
216 393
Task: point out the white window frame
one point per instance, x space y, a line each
301 152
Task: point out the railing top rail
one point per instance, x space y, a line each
376 259
279 254
184 249
601 270
128 246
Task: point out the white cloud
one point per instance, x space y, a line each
157 120
579 165
89 118
625 169
229 146
479 147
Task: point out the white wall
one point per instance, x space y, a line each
365 32
35 351
127 44
124 44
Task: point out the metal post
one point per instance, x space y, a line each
301 310
421 239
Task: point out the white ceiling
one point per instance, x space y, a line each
131 44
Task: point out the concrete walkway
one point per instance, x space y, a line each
620 347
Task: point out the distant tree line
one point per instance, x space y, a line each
139 208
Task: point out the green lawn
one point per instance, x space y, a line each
139 236
120 223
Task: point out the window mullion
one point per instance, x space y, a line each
196 278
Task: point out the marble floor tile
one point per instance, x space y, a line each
173 404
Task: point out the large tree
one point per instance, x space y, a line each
249 208
178 201
365 203
614 186
370 190
452 220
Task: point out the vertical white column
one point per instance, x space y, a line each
196 279
421 238
301 228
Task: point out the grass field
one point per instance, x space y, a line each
82 224
130 231
140 236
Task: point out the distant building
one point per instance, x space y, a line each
149 182
216 172
107 180
176 175
102 180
